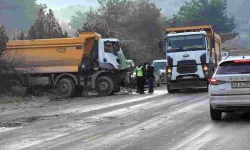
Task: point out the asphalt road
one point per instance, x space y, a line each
160 121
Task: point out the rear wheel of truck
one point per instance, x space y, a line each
105 86
65 88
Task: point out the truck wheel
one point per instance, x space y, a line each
105 86
215 114
170 90
65 88
78 91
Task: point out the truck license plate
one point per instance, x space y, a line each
241 85
187 77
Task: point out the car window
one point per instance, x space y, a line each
230 67
160 65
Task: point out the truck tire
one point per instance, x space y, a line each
105 86
215 114
170 90
65 88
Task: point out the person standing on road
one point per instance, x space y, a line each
150 77
140 78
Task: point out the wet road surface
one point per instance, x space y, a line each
159 121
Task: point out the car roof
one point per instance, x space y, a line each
232 58
162 60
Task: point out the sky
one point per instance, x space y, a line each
59 4
64 9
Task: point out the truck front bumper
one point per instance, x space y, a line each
188 84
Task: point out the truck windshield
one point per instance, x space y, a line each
111 47
160 65
186 43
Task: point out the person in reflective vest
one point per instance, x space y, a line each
140 78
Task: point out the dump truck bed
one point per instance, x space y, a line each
51 55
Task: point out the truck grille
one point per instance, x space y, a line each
186 66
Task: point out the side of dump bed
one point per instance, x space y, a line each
56 55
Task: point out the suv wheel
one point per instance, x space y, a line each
215 114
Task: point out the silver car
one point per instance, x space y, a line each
161 66
229 88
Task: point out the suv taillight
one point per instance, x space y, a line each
214 81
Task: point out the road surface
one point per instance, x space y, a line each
159 121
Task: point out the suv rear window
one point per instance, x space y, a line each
230 67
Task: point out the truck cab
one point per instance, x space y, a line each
189 57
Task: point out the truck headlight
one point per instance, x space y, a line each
205 68
169 70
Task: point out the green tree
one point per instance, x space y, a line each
20 36
137 24
3 39
201 12
45 26
18 14
78 19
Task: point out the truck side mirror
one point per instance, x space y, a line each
212 42
161 46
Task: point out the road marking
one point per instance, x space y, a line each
94 137
189 101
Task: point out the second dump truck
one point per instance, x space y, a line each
192 55
71 63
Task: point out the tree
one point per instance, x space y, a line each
18 14
137 24
45 26
201 12
78 19
20 36
3 39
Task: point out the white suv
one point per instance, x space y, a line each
229 88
